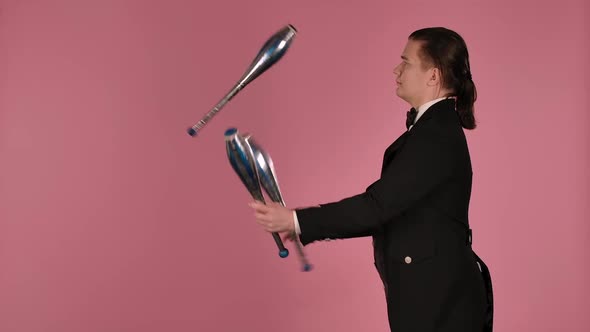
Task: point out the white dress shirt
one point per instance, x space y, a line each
421 109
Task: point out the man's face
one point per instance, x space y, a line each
411 77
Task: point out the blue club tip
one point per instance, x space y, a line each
284 253
192 132
307 267
230 131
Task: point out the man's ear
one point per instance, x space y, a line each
435 77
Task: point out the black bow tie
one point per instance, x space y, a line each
410 117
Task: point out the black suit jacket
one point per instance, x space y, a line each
417 214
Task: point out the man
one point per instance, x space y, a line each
417 211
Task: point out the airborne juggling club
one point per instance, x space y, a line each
271 52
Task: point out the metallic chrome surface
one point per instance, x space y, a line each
241 158
268 179
271 52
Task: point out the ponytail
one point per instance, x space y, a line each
466 96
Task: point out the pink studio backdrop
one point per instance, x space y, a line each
114 219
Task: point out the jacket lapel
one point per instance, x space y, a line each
392 149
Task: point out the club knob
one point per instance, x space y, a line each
284 253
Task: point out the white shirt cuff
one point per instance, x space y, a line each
297 229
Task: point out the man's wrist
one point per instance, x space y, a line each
296 227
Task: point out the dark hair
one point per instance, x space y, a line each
446 50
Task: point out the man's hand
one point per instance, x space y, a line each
273 217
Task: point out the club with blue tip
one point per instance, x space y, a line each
241 158
268 179
271 52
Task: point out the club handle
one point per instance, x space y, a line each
283 252
306 265
193 131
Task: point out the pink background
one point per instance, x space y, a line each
114 219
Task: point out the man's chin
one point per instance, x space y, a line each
401 95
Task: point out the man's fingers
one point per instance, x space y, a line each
265 225
259 207
262 217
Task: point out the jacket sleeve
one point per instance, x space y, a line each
423 164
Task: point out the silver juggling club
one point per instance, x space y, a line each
241 159
266 174
271 52
268 179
